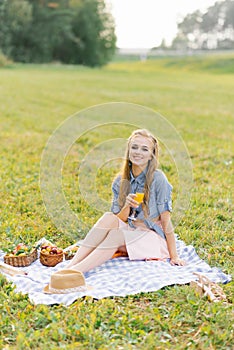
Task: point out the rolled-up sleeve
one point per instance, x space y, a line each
163 194
115 189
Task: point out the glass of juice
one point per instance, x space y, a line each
139 198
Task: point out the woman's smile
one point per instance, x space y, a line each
137 157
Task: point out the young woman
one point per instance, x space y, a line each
150 235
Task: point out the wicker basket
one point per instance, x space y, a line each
51 259
68 256
70 253
21 261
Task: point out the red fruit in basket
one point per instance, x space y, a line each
20 246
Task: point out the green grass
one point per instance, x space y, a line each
222 63
34 100
216 63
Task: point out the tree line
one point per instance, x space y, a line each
213 29
69 31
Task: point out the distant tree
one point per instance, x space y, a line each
93 37
15 19
180 42
163 44
71 31
51 23
189 28
212 29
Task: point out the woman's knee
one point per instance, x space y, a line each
109 215
115 237
108 220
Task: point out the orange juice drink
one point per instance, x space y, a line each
139 197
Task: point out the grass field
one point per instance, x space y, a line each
196 96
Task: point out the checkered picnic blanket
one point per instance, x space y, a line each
117 277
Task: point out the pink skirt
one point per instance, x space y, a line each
143 243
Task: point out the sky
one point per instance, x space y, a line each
144 23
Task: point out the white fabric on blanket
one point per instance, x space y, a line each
117 277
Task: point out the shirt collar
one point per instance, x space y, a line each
140 178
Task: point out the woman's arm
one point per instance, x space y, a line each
170 237
124 213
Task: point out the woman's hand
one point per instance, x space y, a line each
177 262
130 202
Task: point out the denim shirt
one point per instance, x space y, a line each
159 198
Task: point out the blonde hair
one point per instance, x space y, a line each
126 168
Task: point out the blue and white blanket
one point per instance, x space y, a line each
117 277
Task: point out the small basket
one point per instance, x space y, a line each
21 261
70 253
51 259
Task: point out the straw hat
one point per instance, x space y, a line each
66 281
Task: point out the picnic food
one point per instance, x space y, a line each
51 255
20 255
50 250
70 252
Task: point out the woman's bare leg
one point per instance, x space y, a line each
95 236
105 250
